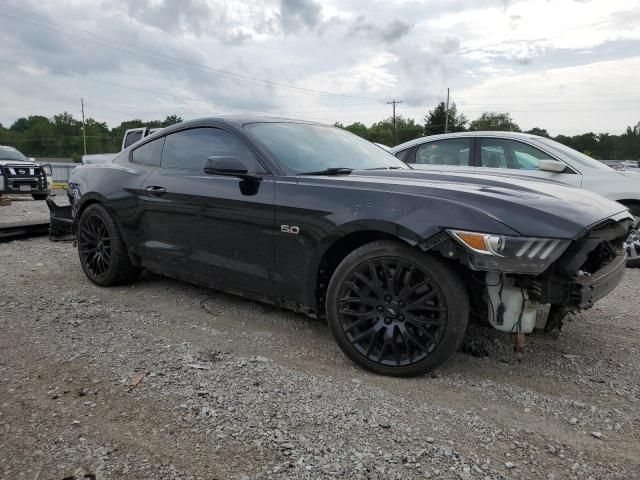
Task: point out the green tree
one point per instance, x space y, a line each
68 135
541 132
382 132
98 136
171 120
494 121
358 128
434 121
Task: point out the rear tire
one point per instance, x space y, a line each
103 254
39 196
395 310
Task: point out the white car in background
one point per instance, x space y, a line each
522 154
130 137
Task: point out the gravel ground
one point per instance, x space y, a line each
235 389
24 208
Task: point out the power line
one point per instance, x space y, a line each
60 27
130 87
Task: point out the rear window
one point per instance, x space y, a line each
132 137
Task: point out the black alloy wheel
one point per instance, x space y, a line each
395 310
103 254
94 245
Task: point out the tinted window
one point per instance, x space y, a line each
132 137
454 151
401 155
503 153
149 153
190 149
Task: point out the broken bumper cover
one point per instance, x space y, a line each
61 221
589 288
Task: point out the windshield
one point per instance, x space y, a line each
304 148
12 154
574 155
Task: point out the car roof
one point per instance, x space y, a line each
498 134
240 120
7 147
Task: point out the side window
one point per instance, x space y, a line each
402 155
149 153
453 151
503 153
190 149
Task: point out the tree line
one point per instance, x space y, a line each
602 146
61 135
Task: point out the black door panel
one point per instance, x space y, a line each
205 228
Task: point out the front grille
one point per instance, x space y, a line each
17 176
22 171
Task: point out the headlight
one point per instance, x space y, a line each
510 254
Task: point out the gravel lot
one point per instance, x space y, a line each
24 208
235 389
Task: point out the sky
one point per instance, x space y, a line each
569 66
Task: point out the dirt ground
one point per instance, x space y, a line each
230 388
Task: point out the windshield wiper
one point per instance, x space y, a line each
386 168
330 171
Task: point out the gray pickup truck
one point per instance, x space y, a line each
21 175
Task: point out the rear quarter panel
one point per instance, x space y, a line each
115 186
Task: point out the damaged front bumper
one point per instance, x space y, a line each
60 221
591 268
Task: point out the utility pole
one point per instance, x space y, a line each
446 114
84 130
394 103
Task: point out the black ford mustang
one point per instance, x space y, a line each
320 221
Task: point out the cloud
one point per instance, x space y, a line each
325 60
386 33
296 15
184 16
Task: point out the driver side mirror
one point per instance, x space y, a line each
227 166
552 166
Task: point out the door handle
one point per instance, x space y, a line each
155 191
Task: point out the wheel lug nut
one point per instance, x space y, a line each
387 320
387 298
401 318
401 303
380 308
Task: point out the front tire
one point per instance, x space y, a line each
103 254
395 310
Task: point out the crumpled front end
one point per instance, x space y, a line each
61 217
517 281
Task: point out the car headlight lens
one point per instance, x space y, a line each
510 254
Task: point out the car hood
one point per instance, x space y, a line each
16 162
635 174
529 207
